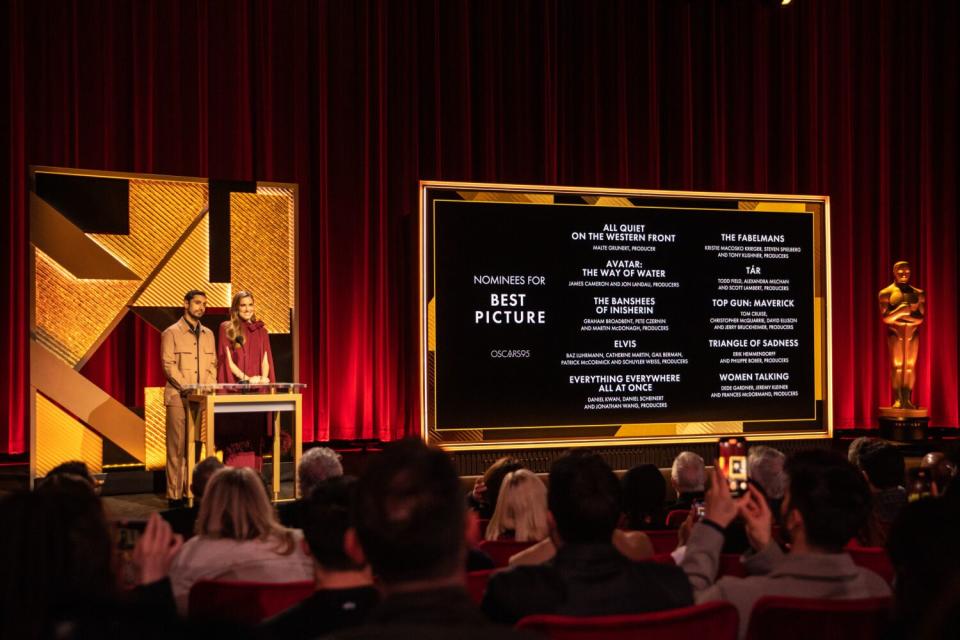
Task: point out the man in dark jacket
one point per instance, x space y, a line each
344 587
588 576
411 524
884 468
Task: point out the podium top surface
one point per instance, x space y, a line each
245 388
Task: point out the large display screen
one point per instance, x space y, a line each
562 317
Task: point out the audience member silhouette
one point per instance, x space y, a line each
317 465
926 558
766 472
588 576
644 494
883 467
412 526
238 538
344 587
826 503
858 446
521 512
941 470
486 490
688 477
184 519
58 578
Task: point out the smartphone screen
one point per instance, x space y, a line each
698 509
919 484
732 460
128 532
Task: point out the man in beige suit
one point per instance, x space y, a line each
189 354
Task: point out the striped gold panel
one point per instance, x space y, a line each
821 252
289 194
709 428
506 196
188 268
261 252
818 350
799 207
155 429
678 429
432 324
61 438
608 201
155 416
159 213
91 405
653 429
71 314
474 435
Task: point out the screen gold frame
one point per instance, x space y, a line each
510 193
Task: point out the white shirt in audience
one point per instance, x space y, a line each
203 558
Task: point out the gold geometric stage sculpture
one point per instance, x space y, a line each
107 244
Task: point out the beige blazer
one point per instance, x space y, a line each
183 357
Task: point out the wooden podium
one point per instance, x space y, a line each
214 399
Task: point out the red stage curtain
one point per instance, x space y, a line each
127 361
357 101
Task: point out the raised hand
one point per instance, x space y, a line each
155 549
757 517
479 490
719 506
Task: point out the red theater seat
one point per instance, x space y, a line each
663 541
501 550
676 517
477 583
804 618
244 602
730 564
873 558
482 527
663 558
713 620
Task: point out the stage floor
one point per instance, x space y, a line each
135 506
139 506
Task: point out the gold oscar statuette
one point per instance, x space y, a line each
902 308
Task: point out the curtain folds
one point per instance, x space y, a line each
357 101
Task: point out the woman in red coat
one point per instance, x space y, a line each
243 356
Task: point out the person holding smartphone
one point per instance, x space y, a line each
826 503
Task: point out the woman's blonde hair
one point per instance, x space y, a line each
521 507
235 506
235 330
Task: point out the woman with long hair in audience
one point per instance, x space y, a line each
521 511
486 490
59 576
238 538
